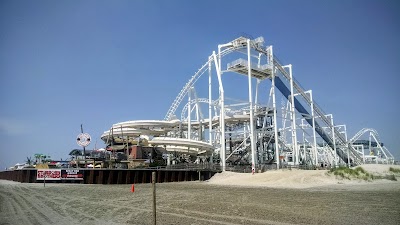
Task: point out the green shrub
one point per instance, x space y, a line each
360 169
391 177
394 170
348 173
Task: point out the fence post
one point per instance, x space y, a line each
153 181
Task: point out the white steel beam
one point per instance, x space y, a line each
222 113
313 124
275 123
379 146
252 141
293 117
210 140
334 141
189 114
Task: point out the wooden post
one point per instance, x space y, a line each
84 150
153 181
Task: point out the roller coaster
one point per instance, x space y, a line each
241 126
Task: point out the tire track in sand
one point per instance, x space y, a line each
28 208
242 219
8 209
21 215
66 210
41 202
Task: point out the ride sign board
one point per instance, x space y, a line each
48 174
72 174
83 139
59 174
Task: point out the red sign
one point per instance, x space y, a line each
58 174
49 174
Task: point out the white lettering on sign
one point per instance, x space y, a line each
48 174
72 171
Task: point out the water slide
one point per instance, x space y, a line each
300 108
340 140
157 129
241 66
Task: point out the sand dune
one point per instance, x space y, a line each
299 178
379 169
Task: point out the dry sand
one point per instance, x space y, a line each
276 179
300 179
275 197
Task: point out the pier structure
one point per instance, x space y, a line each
243 106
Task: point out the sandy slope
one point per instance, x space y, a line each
276 179
301 178
381 169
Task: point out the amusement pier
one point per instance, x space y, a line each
269 122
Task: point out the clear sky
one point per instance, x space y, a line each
66 63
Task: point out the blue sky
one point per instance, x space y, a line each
63 63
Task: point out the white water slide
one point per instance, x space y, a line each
154 132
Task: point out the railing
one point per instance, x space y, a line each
189 166
244 63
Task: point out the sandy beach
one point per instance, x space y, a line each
273 197
300 179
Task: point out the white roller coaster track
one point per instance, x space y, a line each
193 101
375 134
363 131
193 80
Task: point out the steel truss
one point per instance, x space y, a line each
246 131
